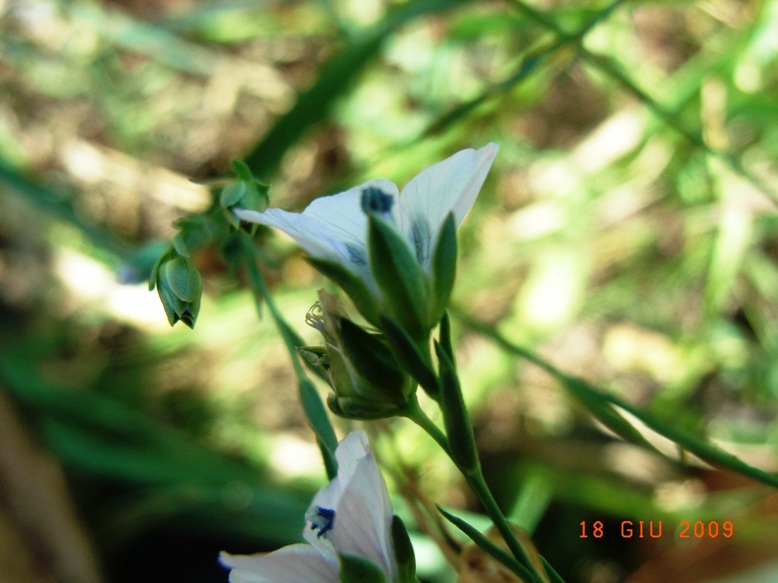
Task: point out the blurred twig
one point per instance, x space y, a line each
34 493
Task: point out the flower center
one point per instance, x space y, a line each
322 520
376 200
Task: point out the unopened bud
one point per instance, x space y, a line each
180 288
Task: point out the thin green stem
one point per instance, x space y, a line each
420 418
312 404
477 483
291 340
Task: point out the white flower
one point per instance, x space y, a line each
352 515
334 228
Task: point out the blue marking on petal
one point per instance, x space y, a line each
357 255
376 200
322 520
420 235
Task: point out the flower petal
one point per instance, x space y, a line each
298 563
448 186
363 509
332 227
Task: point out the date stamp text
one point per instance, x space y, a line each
658 529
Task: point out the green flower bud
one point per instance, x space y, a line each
179 286
366 380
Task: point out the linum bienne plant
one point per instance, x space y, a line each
394 254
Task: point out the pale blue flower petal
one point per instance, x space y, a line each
309 233
363 509
298 563
351 515
448 186
333 228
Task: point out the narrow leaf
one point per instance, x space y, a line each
696 445
488 546
403 552
317 414
459 430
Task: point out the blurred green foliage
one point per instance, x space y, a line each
627 236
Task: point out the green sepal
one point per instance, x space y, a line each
354 569
399 276
444 334
246 192
155 270
373 360
488 546
459 430
363 409
408 354
172 305
444 267
242 170
183 278
352 284
180 288
232 193
403 552
180 246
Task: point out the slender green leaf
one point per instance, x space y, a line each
403 552
488 546
459 430
320 421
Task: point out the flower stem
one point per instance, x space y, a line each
420 418
477 483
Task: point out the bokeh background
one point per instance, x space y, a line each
627 234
